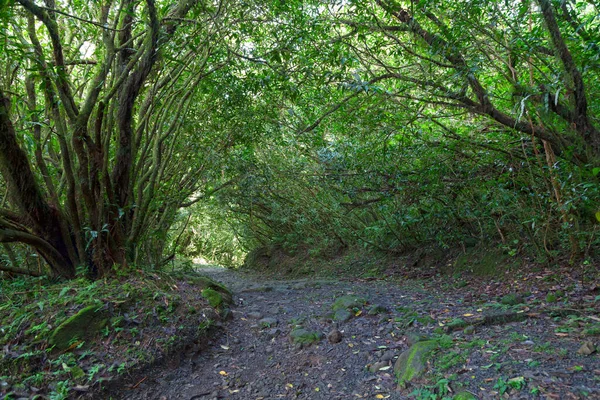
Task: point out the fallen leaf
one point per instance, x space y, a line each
223 373
358 313
560 334
385 368
224 347
468 315
71 347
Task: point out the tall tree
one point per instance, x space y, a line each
92 111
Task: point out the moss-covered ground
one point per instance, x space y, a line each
61 340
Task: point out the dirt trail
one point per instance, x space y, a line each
253 360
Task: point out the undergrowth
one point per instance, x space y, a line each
146 317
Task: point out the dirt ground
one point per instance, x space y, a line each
253 357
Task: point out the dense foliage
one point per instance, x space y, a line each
131 131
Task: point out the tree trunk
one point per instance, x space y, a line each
39 223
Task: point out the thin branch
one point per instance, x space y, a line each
87 21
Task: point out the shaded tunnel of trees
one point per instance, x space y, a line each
133 131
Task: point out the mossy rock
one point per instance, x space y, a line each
204 283
304 336
348 302
464 396
413 362
377 309
84 325
342 315
456 324
551 298
77 372
512 299
215 299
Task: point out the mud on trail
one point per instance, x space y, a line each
340 339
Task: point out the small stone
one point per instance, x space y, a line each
529 342
255 315
377 309
304 337
274 332
377 366
299 286
469 330
348 301
464 396
267 322
334 336
388 355
413 338
587 348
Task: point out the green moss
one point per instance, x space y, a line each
551 298
412 362
304 336
464 396
456 324
512 299
215 299
203 282
377 309
86 324
116 322
77 372
348 302
450 360
593 330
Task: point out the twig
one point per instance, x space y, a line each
139 383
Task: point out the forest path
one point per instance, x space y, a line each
254 357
